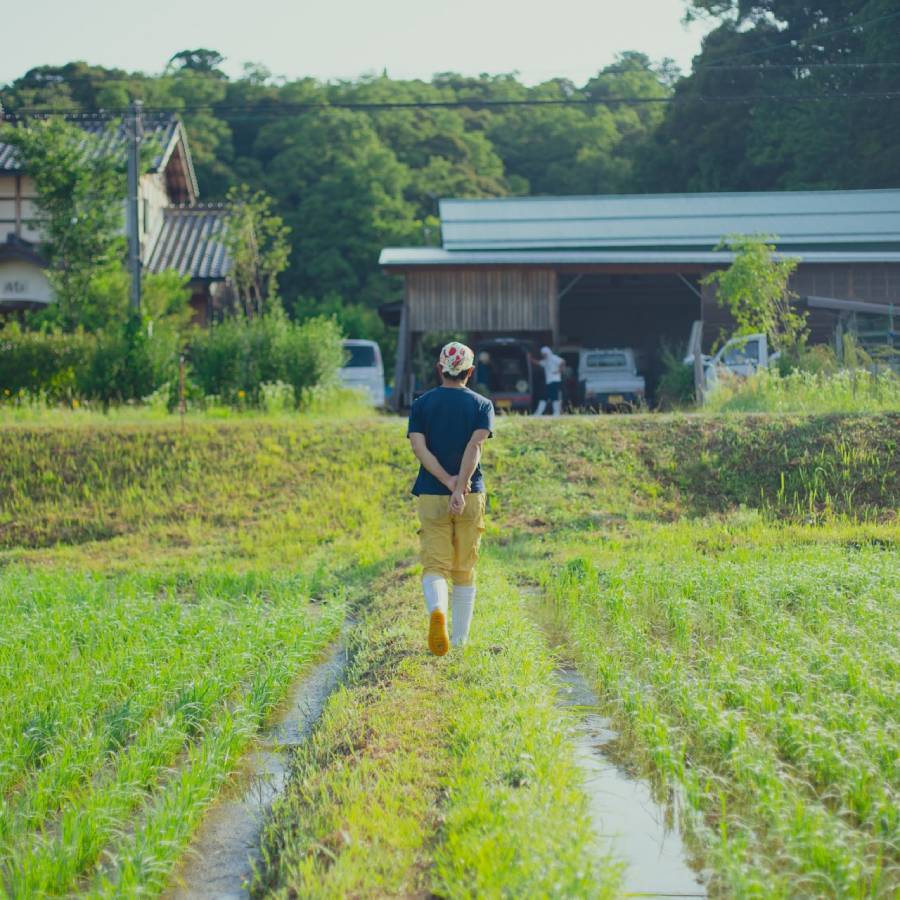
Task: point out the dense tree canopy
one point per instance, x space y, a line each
349 181
827 79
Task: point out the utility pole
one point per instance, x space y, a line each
133 134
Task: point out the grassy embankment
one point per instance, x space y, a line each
453 775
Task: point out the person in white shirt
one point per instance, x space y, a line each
552 366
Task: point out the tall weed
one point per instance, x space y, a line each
848 390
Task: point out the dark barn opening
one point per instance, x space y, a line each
640 311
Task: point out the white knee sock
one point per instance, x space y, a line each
540 408
463 604
557 407
435 589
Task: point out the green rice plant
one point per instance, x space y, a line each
131 678
761 676
157 589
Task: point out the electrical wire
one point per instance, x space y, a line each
276 110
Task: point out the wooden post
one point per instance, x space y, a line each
181 401
554 309
696 349
134 132
402 363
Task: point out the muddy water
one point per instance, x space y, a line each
630 825
219 862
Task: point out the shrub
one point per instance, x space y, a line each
277 397
43 364
235 358
676 385
240 361
106 367
356 320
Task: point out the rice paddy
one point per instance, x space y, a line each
757 671
729 587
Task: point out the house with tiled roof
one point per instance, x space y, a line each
175 230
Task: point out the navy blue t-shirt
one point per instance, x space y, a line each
448 417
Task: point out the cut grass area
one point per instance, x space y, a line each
267 489
450 777
756 666
227 486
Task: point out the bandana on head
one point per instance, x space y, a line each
455 358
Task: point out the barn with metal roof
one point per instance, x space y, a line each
614 271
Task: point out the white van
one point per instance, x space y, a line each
364 370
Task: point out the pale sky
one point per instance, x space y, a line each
333 39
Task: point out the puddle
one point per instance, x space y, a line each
219 862
630 825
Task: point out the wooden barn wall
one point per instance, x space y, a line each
472 300
871 282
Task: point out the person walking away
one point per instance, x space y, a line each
448 426
552 366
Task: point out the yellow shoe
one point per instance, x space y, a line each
438 639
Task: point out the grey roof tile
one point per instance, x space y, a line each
191 242
161 127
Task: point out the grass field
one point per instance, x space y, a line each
730 587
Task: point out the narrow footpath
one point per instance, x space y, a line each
393 773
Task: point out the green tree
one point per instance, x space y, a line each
200 60
754 288
823 109
79 215
257 243
341 191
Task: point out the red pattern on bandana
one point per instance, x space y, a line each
454 356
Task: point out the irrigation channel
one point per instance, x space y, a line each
219 862
630 825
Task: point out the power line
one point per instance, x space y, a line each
277 109
608 70
761 67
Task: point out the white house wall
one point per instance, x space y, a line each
154 198
22 281
17 207
28 194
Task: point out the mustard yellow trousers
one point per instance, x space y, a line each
449 543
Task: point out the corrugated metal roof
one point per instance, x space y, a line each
668 221
165 129
435 256
190 242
